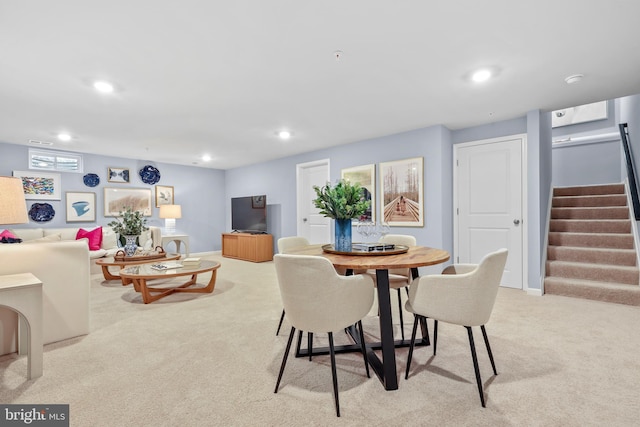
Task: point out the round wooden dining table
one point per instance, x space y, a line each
416 256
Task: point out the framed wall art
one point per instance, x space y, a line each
164 195
117 200
401 184
365 176
81 206
40 185
118 175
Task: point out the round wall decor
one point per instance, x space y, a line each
149 174
41 212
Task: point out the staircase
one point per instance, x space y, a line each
591 248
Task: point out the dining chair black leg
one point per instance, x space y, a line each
486 343
284 358
413 341
310 343
435 335
299 343
364 348
475 364
280 323
400 311
333 373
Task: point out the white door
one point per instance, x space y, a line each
490 187
315 227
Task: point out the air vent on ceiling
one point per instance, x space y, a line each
35 142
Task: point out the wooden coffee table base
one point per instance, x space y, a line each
140 285
140 274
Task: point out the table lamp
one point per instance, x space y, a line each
13 208
170 213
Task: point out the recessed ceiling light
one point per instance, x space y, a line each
575 78
206 158
103 87
284 134
481 75
64 137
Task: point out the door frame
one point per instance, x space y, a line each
524 185
300 170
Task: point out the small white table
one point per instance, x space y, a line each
177 239
22 293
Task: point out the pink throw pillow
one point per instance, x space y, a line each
7 234
94 236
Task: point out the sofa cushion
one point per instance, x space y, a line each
94 236
109 239
49 238
28 233
145 241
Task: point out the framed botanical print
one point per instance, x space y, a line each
164 195
81 206
365 176
118 175
118 199
401 184
40 185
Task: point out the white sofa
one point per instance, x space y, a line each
148 240
63 267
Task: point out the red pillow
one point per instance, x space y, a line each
94 236
7 234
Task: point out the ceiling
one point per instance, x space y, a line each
222 77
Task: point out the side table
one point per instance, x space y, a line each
177 239
22 293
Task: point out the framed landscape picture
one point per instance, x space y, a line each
365 176
118 175
401 184
164 195
81 207
40 185
117 200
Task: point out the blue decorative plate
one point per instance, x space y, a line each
149 174
91 180
41 212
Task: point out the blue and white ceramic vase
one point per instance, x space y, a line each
343 235
130 245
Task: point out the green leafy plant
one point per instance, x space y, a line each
129 223
342 201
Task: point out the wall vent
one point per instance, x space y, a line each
35 142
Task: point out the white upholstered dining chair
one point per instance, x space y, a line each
319 300
463 295
284 245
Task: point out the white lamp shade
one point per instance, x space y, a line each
170 211
13 208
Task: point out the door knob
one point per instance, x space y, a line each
516 221
304 219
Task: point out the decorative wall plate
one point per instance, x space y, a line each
91 180
149 174
41 212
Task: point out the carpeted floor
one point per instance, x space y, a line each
213 359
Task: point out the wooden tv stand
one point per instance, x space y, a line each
247 247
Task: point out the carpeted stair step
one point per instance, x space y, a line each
589 190
591 225
590 201
589 289
599 272
592 255
613 212
592 240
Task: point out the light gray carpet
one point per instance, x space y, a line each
213 359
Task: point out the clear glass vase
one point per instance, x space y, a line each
343 235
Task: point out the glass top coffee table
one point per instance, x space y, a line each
139 274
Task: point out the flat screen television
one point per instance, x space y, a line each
249 214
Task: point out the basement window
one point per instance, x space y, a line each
55 161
